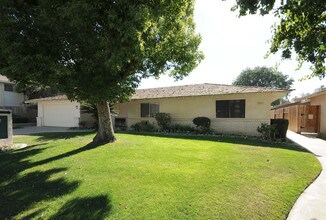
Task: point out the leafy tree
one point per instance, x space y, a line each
302 28
96 51
38 92
264 77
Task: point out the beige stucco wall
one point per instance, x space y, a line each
321 100
183 110
63 113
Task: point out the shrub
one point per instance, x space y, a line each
201 130
281 126
202 122
163 120
177 128
268 131
143 126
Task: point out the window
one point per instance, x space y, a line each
148 109
9 88
230 108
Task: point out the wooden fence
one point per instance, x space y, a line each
26 111
302 117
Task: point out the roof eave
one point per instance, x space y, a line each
235 93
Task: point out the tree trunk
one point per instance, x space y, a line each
105 133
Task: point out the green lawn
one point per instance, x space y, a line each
60 176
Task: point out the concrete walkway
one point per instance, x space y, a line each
311 205
37 130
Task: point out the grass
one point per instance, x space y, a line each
61 176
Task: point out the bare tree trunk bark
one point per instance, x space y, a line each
105 133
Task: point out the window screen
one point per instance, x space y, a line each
230 108
144 110
154 108
9 88
149 109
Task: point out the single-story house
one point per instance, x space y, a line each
306 114
231 109
58 111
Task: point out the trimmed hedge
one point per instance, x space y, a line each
281 126
202 122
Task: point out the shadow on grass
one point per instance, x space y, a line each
59 135
13 162
21 191
87 147
243 140
97 207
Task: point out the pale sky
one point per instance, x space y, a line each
231 44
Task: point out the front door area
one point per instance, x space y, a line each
309 118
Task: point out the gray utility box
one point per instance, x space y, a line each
6 139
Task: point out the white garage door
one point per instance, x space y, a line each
61 115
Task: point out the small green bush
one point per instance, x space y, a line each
201 130
163 120
267 131
202 122
281 126
143 126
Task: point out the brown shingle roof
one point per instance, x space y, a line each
205 89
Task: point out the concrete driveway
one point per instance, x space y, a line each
36 130
312 202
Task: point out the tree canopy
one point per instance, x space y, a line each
96 51
264 77
302 29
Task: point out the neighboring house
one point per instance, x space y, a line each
8 95
231 109
57 111
306 114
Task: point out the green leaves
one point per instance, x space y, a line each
302 29
96 50
263 77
